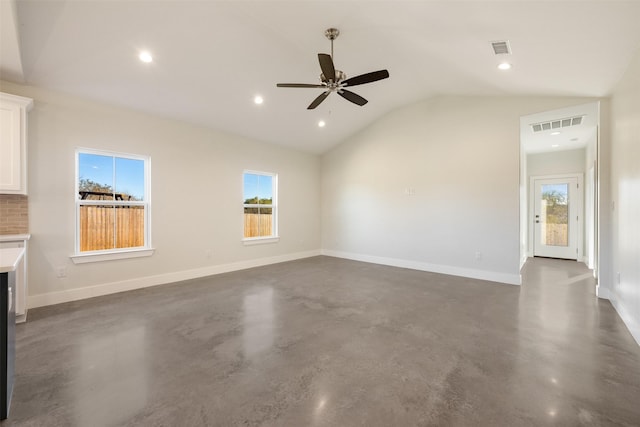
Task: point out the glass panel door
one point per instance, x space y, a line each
556 218
554 209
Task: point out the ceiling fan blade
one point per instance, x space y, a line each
350 96
318 100
326 65
298 85
366 78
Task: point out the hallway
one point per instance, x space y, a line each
581 345
332 342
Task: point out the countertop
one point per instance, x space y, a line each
14 237
9 258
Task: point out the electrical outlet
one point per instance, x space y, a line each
208 253
618 277
61 272
478 255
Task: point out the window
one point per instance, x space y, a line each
112 204
260 206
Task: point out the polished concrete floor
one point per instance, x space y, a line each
331 342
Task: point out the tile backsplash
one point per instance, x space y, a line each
14 214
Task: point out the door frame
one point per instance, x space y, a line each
580 209
590 217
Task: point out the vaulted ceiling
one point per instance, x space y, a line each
211 58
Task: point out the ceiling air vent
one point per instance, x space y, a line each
501 47
557 124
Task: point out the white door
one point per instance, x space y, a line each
556 210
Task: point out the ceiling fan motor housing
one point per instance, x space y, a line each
332 33
340 76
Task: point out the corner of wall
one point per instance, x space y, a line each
76 294
491 276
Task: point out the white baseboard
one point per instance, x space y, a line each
493 276
161 279
523 261
630 322
603 292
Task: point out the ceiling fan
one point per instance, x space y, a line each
332 80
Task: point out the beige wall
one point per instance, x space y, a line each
431 185
557 162
196 181
624 279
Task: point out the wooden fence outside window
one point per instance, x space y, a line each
257 225
106 227
556 235
109 227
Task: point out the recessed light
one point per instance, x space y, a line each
555 146
321 123
258 100
555 133
504 66
573 139
145 56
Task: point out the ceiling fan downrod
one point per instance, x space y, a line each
332 34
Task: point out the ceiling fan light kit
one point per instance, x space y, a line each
332 80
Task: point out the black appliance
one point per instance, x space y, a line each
7 339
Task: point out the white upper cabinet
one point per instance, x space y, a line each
13 143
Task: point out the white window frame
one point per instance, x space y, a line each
115 253
274 237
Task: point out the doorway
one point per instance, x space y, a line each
558 144
557 225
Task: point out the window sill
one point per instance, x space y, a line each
110 256
260 240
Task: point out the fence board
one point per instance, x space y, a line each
257 225
556 235
103 227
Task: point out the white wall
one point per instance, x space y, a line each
431 184
625 195
591 203
557 162
591 152
196 197
523 203
604 238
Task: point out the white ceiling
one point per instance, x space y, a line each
211 58
10 61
